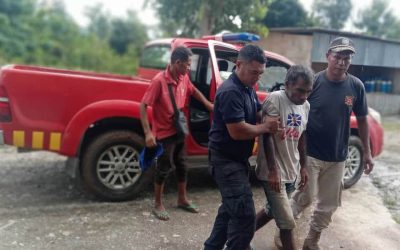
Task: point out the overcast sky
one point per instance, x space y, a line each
116 8
119 7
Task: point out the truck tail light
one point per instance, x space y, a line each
5 111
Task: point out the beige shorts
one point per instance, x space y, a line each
278 205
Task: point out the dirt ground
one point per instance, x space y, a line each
41 208
386 175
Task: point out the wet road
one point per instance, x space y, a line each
386 175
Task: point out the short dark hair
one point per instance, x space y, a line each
252 52
299 71
181 53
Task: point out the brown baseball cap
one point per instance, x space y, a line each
340 44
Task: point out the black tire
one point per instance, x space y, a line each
110 166
353 170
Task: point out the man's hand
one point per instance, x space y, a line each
150 140
304 178
274 179
272 124
368 163
210 107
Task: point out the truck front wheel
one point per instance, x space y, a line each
110 166
353 169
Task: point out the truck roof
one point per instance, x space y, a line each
204 42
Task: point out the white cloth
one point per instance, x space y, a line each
294 119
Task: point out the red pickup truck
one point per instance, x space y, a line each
93 118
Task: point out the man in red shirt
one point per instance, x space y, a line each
163 130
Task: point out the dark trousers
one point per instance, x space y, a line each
174 157
235 222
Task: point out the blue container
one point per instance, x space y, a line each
378 86
372 83
368 86
389 87
386 86
383 87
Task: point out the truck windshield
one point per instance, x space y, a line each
156 57
274 73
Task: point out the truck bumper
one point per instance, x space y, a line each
1 137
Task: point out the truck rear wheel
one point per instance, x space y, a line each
353 169
110 166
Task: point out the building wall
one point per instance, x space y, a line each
297 48
384 103
317 67
369 52
374 60
396 81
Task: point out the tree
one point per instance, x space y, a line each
204 17
40 32
14 26
286 13
332 14
126 32
54 33
100 21
120 33
378 20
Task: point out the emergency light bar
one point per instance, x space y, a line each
234 37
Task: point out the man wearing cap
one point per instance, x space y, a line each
158 97
336 94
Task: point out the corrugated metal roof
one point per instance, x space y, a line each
370 51
310 31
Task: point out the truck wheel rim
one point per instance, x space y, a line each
352 162
118 167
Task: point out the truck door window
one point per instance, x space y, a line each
225 67
274 73
193 67
225 61
198 70
199 118
156 57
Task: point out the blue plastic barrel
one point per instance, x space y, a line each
373 87
390 87
383 86
368 86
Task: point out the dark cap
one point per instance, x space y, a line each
340 44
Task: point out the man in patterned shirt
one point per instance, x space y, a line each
281 158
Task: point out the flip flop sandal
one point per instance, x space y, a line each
191 208
161 215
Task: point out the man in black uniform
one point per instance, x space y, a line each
236 111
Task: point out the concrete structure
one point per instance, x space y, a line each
376 62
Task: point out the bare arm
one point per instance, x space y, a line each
362 123
245 131
274 178
149 137
259 116
201 98
303 161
